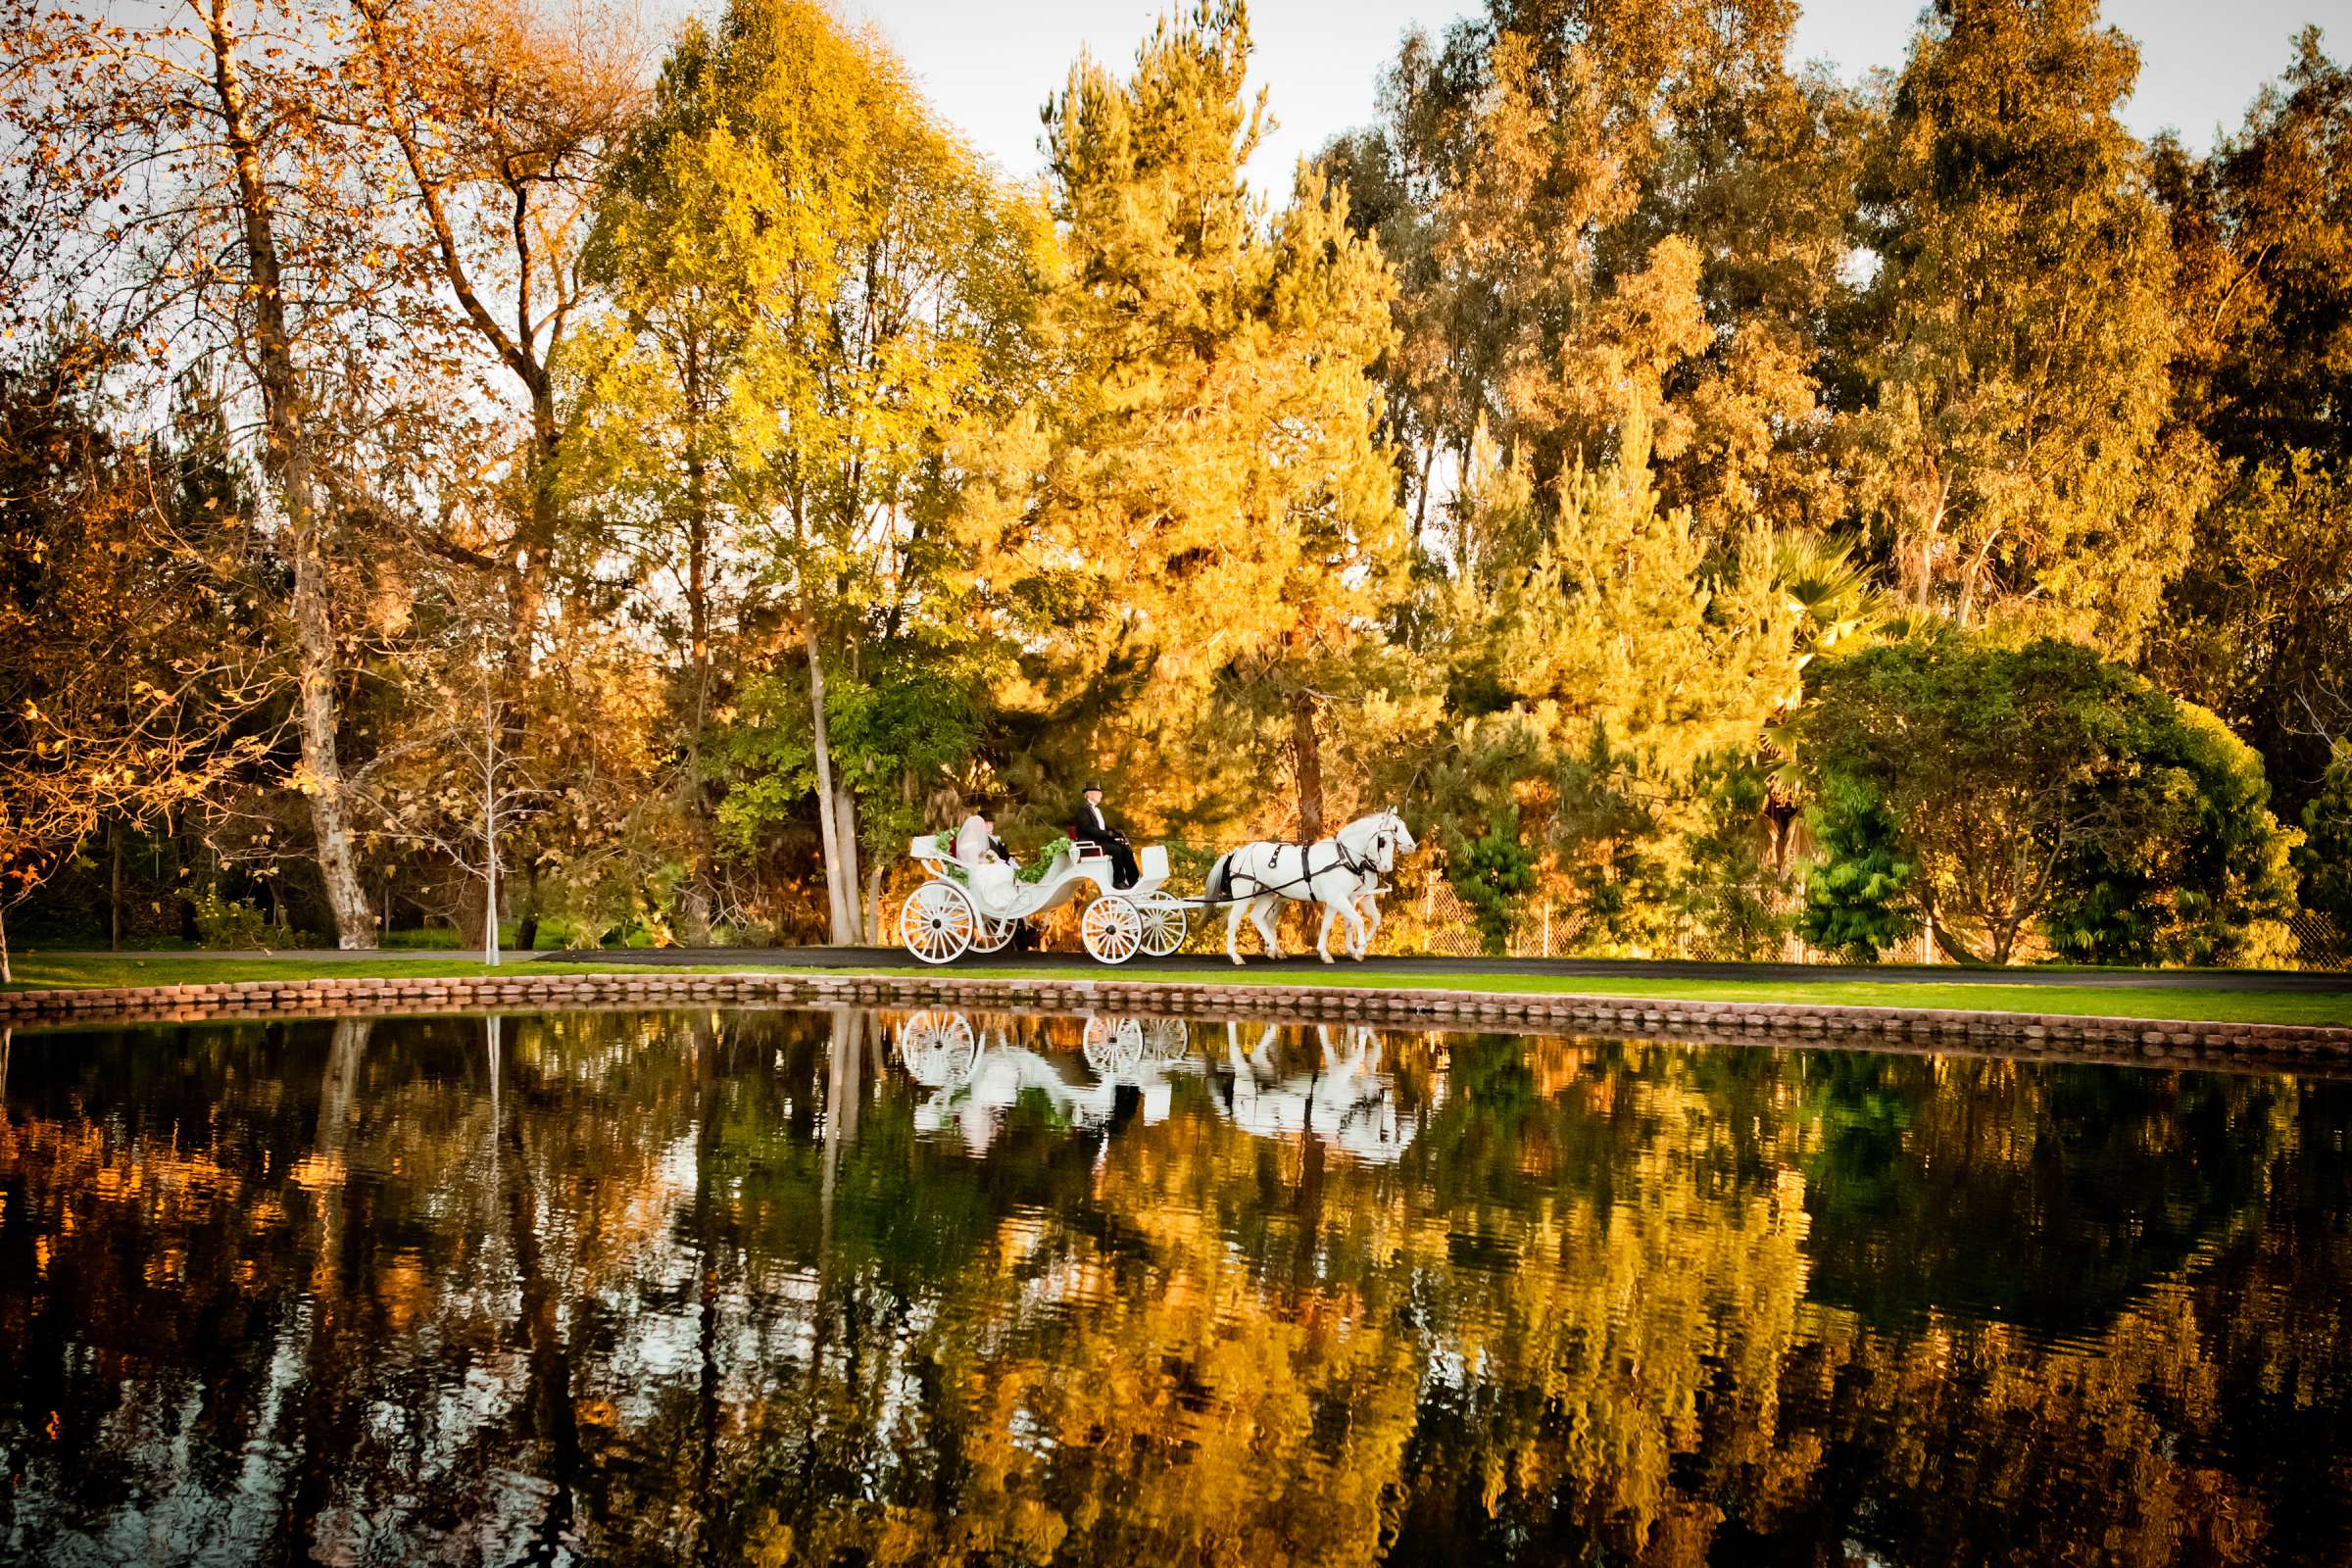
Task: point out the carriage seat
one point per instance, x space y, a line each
938 847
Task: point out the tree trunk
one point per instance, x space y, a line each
1948 943
526 918
113 892
8 976
695 900
845 823
1428 463
694 915
838 892
286 463
698 580
1307 756
489 829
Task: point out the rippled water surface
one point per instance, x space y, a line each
866 1288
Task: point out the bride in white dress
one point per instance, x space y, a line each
983 859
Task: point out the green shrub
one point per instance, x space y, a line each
1729 887
223 923
1492 874
2003 789
2325 858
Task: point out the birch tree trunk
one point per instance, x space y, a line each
838 892
286 463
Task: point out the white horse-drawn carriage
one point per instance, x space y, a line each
974 908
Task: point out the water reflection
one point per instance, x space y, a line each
843 1286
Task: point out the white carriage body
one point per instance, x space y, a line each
953 913
1060 883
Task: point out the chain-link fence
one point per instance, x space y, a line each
2320 942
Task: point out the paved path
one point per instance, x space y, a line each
301 954
1586 968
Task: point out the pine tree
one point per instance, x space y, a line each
1218 508
2015 450
1590 197
1593 662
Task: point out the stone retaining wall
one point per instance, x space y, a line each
1788 1023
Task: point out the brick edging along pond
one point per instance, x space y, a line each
2136 1039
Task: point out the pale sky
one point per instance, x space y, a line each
989 65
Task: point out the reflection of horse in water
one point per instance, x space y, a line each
1347 1101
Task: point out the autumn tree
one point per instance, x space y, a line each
1592 662
137 686
496 123
815 289
2263 225
215 208
1591 204
2254 624
1216 513
2015 443
502 117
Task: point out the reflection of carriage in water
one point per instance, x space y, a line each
966 907
1342 1099
975 1077
941 1050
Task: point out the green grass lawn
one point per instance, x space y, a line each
37 971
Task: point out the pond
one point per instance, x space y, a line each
865 1287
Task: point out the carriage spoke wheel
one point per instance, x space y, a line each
1113 1046
938 1048
1167 1040
937 922
1112 928
992 934
1165 923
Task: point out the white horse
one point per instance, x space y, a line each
1347 1101
1338 873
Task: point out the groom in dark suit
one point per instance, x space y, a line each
1091 828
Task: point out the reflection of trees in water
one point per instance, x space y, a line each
2045 1199
704 1287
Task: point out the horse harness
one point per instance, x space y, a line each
1344 860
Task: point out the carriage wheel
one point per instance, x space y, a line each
937 922
1112 928
1113 1046
938 1048
992 934
1165 923
1167 1040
